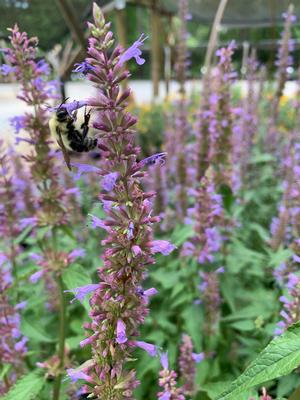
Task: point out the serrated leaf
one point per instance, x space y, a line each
26 388
279 358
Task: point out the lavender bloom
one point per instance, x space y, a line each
162 246
7 69
72 107
18 122
121 332
148 347
82 292
83 68
159 158
134 52
76 375
167 382
109 181
34 278
83 168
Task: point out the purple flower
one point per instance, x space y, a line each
18 123
25 222
20 346
83 168
75 375
82 291
71 107
130 231
7 69
133 52
42 67
97 222
150 292
77 253
83 68
121 332
21 305
109 181
3 258
148 347
159 158
198 357
164 360
34 278
162 246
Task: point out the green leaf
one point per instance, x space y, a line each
76 276
34 330
26 388
279 358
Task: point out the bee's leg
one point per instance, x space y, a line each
85 125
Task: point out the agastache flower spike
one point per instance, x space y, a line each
187 361
168 383
119 305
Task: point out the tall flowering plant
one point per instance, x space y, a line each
221 117
51 209
119 304
12 343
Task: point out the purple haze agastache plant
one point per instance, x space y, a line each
167 381
221 117
51 206
211 299
118 306
290 312
187 361
12 343
284 60
207 216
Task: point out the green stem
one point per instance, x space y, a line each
62 336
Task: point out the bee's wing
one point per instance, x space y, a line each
63 149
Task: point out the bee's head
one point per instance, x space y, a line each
62 114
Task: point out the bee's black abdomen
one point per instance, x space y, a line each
83 146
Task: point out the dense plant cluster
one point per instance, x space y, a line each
160 267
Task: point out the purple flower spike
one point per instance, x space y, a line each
109 181
148 347
83 168
134 52
164 360
82 291
198 357
162 246
121 332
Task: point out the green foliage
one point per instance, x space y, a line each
279 358
26 388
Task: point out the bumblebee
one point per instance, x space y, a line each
71 133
